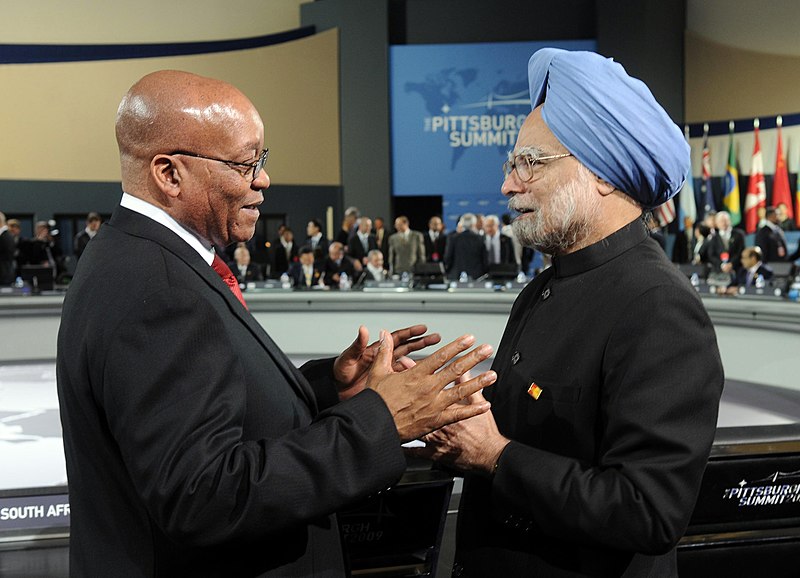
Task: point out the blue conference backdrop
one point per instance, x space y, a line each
456 112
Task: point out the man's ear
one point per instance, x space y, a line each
604 187
166 175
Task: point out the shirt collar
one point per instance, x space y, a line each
602 251
149 210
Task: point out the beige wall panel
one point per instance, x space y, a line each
728 83
57 120
125 21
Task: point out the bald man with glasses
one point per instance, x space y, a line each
193 446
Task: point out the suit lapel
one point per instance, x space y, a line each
140 226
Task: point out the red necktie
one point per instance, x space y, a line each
224 271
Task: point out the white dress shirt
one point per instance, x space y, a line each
142 207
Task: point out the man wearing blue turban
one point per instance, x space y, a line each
609 375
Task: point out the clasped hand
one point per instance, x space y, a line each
418 397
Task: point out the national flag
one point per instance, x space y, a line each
687 204
731 199
797 199
665 213
706 189
756 189
781 192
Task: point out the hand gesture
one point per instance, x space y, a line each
473 445
418 398
350 368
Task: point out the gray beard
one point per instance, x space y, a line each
568 220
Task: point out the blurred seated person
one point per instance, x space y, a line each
93 222
245 270
316 240
373 270
752 268
362 241
284 252
40 250
725 246
771 239
785 221
435 240
336 264
499 247
305 272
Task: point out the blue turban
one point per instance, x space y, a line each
610 122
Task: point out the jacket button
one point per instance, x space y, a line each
545 293
515 358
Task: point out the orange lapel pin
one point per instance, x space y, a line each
534 391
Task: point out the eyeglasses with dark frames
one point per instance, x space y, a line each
256 167
524 162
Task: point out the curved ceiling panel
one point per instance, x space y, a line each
769 27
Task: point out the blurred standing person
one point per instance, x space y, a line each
499 248
406 248
771 239
466 252
93 222
316 240
7 249
348 226
435 240
785 222
42 249
725 246
362 241
284 252
382 238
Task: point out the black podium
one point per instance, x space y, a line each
747 518
398 532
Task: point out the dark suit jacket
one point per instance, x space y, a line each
321 250
435 251
295 273
79 243
356 250
253 273
506 250
605 464
383 244
7 249
770 242
716 247
193 446
331 270
466 251
740 279
280 262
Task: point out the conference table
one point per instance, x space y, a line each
749 507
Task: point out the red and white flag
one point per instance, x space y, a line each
756 188
781 192
665 213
